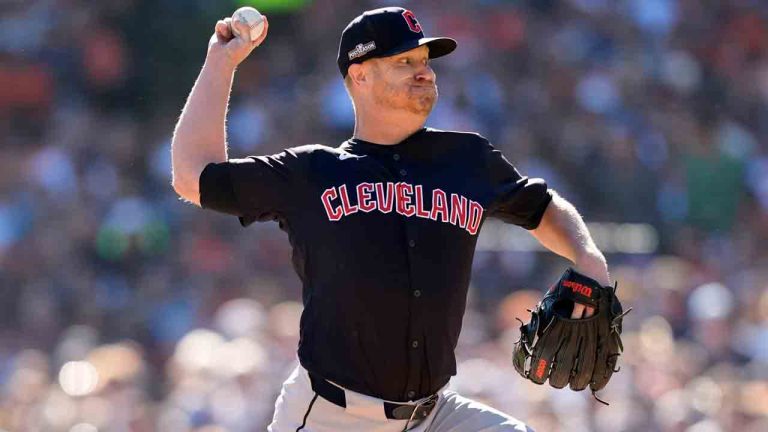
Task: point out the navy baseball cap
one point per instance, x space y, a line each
385 32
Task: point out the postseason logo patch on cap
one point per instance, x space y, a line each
362 49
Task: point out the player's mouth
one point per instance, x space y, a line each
423 87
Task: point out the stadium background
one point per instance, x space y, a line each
124 309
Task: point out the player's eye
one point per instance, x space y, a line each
405 60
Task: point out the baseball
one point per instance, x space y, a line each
252 18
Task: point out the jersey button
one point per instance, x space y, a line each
417 293
415 344
396 157
411 394
403 172
412 243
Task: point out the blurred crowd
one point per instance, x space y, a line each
124 309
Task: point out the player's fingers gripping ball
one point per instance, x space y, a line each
580 352
250 19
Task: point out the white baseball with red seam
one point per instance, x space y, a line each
252 18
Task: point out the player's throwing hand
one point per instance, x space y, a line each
235 48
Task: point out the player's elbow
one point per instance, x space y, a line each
187 189
185 179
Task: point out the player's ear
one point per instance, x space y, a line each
357 74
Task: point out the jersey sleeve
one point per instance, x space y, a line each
256 188
518 200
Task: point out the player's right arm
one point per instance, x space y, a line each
200 134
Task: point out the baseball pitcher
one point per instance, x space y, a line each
383 229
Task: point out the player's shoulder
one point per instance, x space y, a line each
459 137
318 155
309 149
464 142
311 152
318 151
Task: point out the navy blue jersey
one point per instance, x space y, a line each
383 238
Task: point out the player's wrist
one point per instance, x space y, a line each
593 265
220 61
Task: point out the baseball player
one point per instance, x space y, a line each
383 229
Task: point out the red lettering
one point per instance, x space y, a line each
385 202
541 368
458 210
333 214
345 204
439 205
578 288
404 205
475 217
420 212
407 200
364 191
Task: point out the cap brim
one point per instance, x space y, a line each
438 47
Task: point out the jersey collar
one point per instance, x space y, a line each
358 146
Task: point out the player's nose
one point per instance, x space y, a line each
425 74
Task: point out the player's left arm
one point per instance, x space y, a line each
553 221
563 231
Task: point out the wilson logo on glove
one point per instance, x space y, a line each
578 288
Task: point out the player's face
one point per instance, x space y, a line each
405 81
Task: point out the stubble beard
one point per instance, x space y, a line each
415 100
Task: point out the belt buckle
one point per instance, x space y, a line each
428 403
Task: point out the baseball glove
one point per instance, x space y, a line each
580 352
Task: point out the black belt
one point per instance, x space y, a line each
394 411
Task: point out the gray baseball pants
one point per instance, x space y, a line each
298 408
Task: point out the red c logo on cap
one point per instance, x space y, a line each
413 23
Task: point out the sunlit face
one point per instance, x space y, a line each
405 81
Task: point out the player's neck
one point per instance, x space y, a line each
387 130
